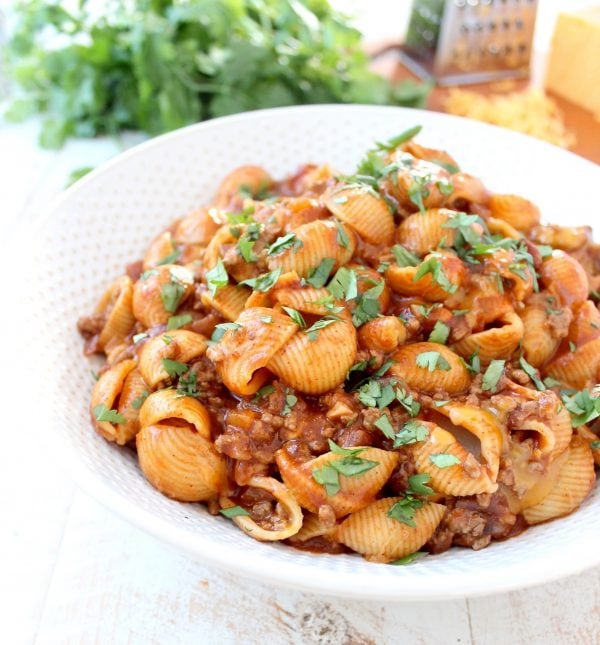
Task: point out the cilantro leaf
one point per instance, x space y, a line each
383 423
296 316
342 237
432 361
443 460
234 511
221 328
344 284
417 484
492 375
412 432
217 277
313 331
582 406
329 478
281 244
408 559
404 257
532 373
404 510
318 276
171 294
433 266
399 139
176 322
170 259
174 368
136 404
102 413
439 333
265 390
290 402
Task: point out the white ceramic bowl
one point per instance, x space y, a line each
108 218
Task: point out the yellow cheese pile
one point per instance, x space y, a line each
529 111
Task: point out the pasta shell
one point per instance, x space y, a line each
366 212
377 536
566 238
495 343
591 437
355 491
402 279
565 278
454 380
179 345
384 334
106 392
181 463
160 248
429 154
302 299
467 477
157 295
399 186
367 279
116 305
500 227
253 178
422 232
579 369
242 354
575 480
312 527
215 247
320 239
165 405
132 394
197 228
229 300
466 190
519 212
484 426
539 343
316 366
282 528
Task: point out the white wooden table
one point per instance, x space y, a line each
71 572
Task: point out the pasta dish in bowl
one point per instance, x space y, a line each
389 362
385 353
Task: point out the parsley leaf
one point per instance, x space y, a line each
399 139
102 413
296 316
383 423
263 282
265 390
344 284
417 484
404 510
136 404
433 266
342 237
408 402
582 406
404 257
170 259
171 294
318 276
417 191
187 384
221 328
313 330
532 373
432 361
443 460
439 333
174 368
217 277
281 244
411 432
328 477
492 375
176 322
367 305
408 559
290 402
233 511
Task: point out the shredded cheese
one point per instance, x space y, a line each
529 111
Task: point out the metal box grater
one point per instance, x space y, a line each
470 41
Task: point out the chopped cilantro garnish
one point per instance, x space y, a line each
173 368
367 305
439 333
221 328
572 347
290 402
443 460
350 465
408 559
171 294
233 511
492 375
545 251
411 432
175 322
342 237
595 445
187 384
404 257
217 277
313 331
384 424
283 243
266 319
434 266
408 402
551 382
399 139
417 484
532 373
445 186
329 478
140 336
170 259
136 404
344 284
102 413
404 510
432 361
265 390
263 282
246 248
474 363
582 406
318 276
417 191
296 316
167 340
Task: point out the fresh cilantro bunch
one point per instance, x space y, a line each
156 65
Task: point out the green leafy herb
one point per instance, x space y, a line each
167 340
353 466
136 404
188 384
246 248
445 187
170 259
234 511
102 413
424 311
290 402
432 361
595 445
173 368
411 432
545 251
408 402
532 373
417 484
404 257
367 305
263 282
265 390
266 319
313 331
399 139
329 478
171 294
176 322
318 276
474 363
433 266
140 336
439 333
77 174
296 316
404 510
418 191
221 328
492 375
443 460
342 237
409 559
551 382
281 244
344 284
217 277
383 423
582 406
463 224
148 274
572 347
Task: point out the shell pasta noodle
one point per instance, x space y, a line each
390 363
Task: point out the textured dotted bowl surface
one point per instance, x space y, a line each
108 218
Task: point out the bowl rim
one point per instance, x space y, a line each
293 575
